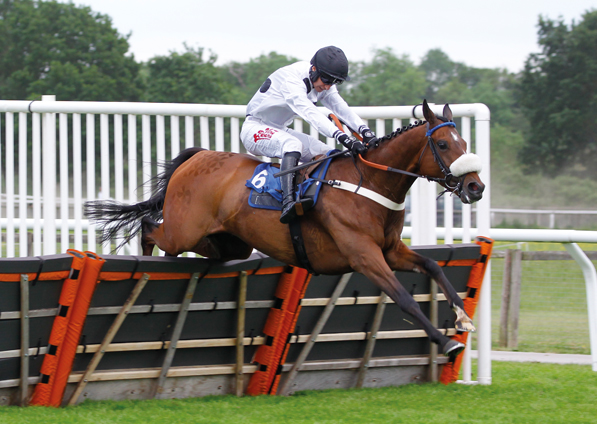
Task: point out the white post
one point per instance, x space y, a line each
591 283
189 133
415 206
219 134
380 127
90 162
10 186
64 192
423 213
146 154
448 218
23 153
105 167
77 181
204 131
49 178
118 159
133 164
174 136
234 135
465 133
160 134
482 118
36 182
160 130
1 175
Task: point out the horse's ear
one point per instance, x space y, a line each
447 112
428 113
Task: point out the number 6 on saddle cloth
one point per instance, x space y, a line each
266 192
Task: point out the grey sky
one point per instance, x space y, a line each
497 34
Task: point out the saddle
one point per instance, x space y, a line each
266 192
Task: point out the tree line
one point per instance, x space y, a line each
541 117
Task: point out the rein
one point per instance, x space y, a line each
389 168
448 177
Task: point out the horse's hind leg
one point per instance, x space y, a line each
148 226
152 234
404 259
223 247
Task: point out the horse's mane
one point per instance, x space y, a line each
405 128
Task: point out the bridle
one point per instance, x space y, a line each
452 183
449 178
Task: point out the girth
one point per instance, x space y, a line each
296 234
298 244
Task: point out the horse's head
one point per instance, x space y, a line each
445 158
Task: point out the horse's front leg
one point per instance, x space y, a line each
404 259
370 261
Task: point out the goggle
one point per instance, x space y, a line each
330 80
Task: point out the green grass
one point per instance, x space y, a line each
553 309
520 393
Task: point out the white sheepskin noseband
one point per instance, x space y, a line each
469 162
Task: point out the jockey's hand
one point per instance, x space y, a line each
351 143
358 148
369 137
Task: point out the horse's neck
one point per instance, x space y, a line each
401 152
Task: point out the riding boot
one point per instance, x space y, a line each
289 160
290 207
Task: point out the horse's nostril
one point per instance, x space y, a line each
474 187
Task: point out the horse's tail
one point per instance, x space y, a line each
116 220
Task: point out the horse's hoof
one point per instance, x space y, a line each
463 322
453 349
463 326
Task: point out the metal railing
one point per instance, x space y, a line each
71 152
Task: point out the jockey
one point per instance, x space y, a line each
293 91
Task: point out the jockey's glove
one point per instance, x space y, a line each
350 142
369 137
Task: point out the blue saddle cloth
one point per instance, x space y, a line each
266 192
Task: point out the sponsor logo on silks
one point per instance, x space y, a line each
265 134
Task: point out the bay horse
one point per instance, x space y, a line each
202 202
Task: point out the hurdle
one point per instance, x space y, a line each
163 327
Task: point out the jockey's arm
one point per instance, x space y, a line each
334 102
297 100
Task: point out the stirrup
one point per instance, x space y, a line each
293 209
288 212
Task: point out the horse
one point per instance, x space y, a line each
202 202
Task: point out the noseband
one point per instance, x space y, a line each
452 182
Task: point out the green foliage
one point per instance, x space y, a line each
249 76
453 82
388 80
559 94
187 78
439 70
48 47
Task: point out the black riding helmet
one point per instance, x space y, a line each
331 65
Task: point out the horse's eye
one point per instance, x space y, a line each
443 145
